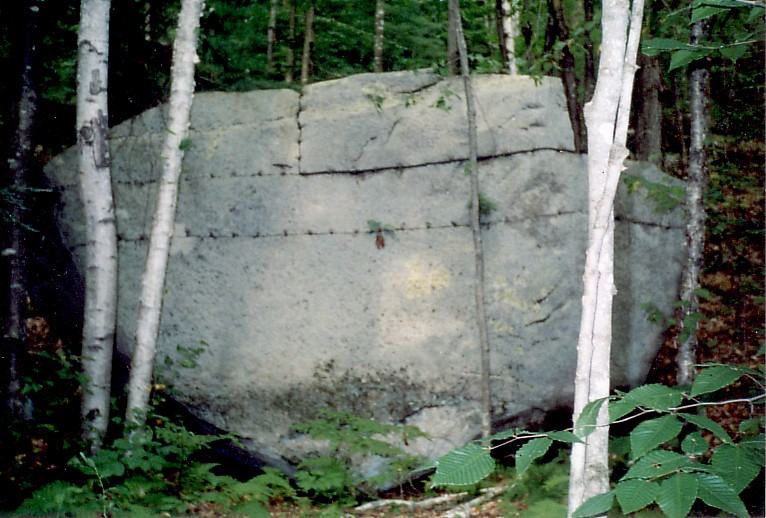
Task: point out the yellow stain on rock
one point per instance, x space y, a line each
424 279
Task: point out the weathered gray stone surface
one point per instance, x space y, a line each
274 268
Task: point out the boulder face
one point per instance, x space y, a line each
296 305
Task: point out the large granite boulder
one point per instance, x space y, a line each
274 268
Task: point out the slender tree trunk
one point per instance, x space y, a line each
686 323
499 18
308 42
96 190
569 77
481 318
648 111
153 280
271 36
19 405
590 70
507 29
290 52
679 87
453 54
607 116
380 21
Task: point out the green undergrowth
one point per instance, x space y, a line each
673 459
155 470
667 458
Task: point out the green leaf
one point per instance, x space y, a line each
635 494
511 433
731 4
737 465
677 494
563 436
681 58
530 451
655 396
704 12
715 492
663 44
657 463
620 408
598 504
586 422
707 424
750 426
755 14
463 466
650 434
694 444
714 378
733 52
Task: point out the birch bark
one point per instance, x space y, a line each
380 25
153 280
101 231
607 122
686 324
508 29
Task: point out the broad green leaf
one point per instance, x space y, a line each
681 58
704 12
749 426
708 424
463 466
713 378
636 494
731 4
598 504
733 52
530 451
563 436
657 464
677 494
620 408
715 492
694 444
758 445
655 396
755 13
586 422
650 434
737 465
662 44
504 435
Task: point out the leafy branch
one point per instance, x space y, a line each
672 480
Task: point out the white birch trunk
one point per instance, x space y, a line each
607 122
695 206
96 192
510 31
380 24
153 280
